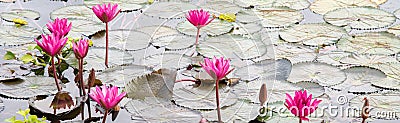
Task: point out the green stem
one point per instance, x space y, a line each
106 59
105 116
55 74
217 98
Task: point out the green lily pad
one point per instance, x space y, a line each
12 35
321 73
378 104
28 87
167 60
215 28
124 5
120 75
266 69
170 10
12 71
20 13
175 42
74 12
359 80
279 17
313 34
362 18
324 6
160 110
123 39
370 43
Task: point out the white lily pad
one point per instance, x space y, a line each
279 17
222 6
167 60
86 27
246 29
124 5
387 83
378 104
394 30
368 60
215 28
247 16
160 110
29 87
333 58
13 1
158 31
12 35
360 18
313 34
370 43
239 112
397 13
12 71
202 97
231 46
266 69
324 6
156 84
294 4
295 53
74 12
391 69
359 80
120 75
170 10
175 42
323 74
1 106
20 13
123 39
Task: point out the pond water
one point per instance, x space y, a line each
271 42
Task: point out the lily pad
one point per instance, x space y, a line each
120 75
239 112
158 31
222 6
28 87
370 43
391 69
12 35
387 83
167 60
202 97
368 60
246 29
323 74
124 5
175 42
13 1
12 71
397 13
215 28
362 18
74 12
359 80
247 16
394 30
378 104
95 59
279 17
157 84
295 53
294 4
123 39
170 10
20 13
160 110
266 69
1 106
313 34
231 46
333 58
324 6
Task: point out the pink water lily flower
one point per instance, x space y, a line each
199 18
60 26
52 43
302 104
217 68
107 97
81 48
106 12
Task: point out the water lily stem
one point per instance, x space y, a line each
106 62
300 120
217 98
81 75
197 36
105 116
55 74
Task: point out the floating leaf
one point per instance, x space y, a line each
202 97
95 59
124 40
231 46
368 60
333 58
158 31
379 2
175 42
1 106
313 34
363 18
279 17
9 56
295 53
13 1
20 13
370 43
294 4
167 60
397 13
160 110
74 12
246 29
378 104
28 87
27 58
11 35
230 17
323 74
247 16
12 71
171 10
394 30
324 6
120 75
124 5
85 27
359 80
239 112
157 84
387 83
390 69
222 6
266 69
215 28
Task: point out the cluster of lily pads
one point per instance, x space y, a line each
267 42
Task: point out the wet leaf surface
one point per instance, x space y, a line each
20 13
14 36
12 72
28 87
